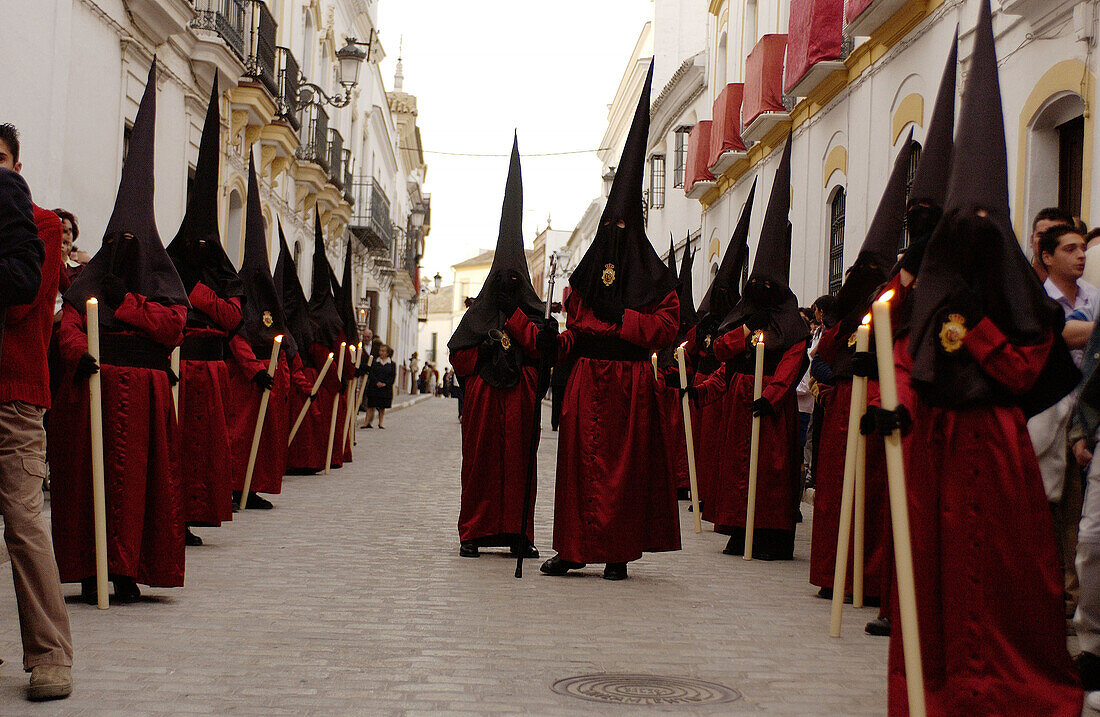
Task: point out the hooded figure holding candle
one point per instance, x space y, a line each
982 351
614 497
215 293
142 311
252 346
767 311
501 391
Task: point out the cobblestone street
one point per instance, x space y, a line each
350 597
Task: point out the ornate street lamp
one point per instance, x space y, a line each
349 59
437 280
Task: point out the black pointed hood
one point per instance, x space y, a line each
688 315
132 249
345 301
725 289
295 305
509 260
768 289
671 253
197 251
621 265
322 303
879 252
926 194
973 256
263 309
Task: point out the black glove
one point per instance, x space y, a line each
547 341
879 421
757 321
762 407
691 392
85 367
173 379
263 379
343 385
114 290
611 310
864 364
312 397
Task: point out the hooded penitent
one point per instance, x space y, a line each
688 315
509 266
197 251
768 290
263 310
295 306
344 300
132 249
620 268
974 260
926 194
322 304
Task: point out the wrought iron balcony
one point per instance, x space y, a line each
260 64
287 100
370 221
313 133
349 177
225 17
336 158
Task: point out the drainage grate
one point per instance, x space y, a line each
627 689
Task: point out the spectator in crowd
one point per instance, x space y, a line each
382 376
69 232
1045 219
30 261
414 372
433 379
1092 257
819 373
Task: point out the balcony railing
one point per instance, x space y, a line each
411 262
225 17
815 46
699 178
260 63
370 221
349 177
313 134
287 100
336 158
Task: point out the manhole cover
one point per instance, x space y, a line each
644 690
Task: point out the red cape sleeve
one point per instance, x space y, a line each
653 330
1014 367
163 324
226 313
787 374
71 336
730 344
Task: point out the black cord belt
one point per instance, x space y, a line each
133 351
203 348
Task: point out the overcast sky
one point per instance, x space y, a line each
481 69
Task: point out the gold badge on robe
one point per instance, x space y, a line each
953 332
505 342
706 341
608 274
267 319
852 340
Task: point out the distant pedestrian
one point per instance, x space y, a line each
383 374
414 372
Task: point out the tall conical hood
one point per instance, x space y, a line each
688 315
263 309
671 252
295 305
879 251
132 249
197 249
345 299
509 265
322 304
974 256
768 290
621 267
725 288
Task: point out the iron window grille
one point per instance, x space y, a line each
836 242
679 157
225 17
910 174
657 181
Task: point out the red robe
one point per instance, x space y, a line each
204 430
777 487
308 450
304 456
267 475
671 415
497 444
144 492
614 497
836 403
988 573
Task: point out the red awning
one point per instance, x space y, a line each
725 133
764 79
814 35
855 7
698 155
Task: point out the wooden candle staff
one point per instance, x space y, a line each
359 397
99 500
689 439
899 510
176 386
851 459
353 386
754 447
258 431
335 407
309 399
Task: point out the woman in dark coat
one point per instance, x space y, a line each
383 374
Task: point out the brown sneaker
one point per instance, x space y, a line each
50 682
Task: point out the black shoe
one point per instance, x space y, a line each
614 571
683 494
255 502
880 626
126 590
368 426
88 593
557 566
468 549
191 539
531 552
735 545
825 593
1088 666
